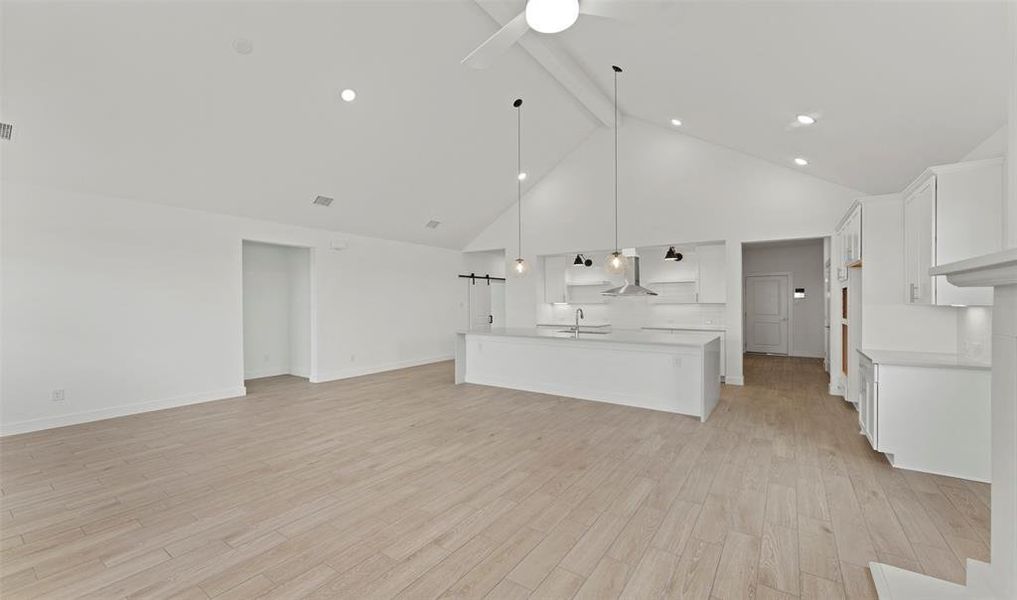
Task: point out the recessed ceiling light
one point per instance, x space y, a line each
676 122
521 176
348 95
801 162
806 119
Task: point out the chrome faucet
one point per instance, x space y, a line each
579 315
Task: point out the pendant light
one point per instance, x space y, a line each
673 255
616 262
520 266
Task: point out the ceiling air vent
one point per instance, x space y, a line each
6 130
432 224
324 201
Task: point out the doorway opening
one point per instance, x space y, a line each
277 310
484 299
785 298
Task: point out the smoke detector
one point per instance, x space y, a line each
323 201
243 46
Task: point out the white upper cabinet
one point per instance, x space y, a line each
555 269
919 223
712 274
847 241
951 213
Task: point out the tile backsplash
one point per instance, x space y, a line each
633 313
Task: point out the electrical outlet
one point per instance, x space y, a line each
57 396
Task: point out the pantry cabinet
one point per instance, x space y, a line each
951 213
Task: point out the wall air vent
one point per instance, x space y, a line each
6 130
324 201
432 224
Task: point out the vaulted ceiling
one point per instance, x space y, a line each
151 101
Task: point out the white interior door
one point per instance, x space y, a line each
766 313
481 315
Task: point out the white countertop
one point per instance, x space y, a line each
686 327
923 359
624 336
582 325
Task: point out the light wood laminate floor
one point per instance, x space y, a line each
404 485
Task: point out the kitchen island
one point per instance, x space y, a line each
678 373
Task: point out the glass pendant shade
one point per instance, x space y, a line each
615 264
520 267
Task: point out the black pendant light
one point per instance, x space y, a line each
673 255
519 267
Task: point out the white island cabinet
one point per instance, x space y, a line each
677 373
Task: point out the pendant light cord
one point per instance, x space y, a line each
616 71
519 169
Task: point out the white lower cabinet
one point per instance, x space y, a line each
868 400
929 417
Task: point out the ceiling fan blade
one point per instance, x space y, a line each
609 9
498 44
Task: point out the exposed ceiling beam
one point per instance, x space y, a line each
558 63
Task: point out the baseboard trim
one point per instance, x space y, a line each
113 412
260 373
732 380
372 369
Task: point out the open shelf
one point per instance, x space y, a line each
587 283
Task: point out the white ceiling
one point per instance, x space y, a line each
897 86
149 100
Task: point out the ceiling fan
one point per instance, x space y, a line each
544 16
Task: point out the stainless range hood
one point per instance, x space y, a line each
630 289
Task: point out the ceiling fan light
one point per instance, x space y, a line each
551 16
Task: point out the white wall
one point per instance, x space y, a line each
805 263
673 188
277 310
991 147
131 306
299 270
